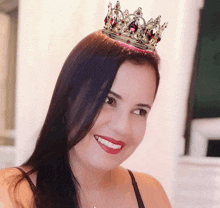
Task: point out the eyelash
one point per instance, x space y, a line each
110 98
142 112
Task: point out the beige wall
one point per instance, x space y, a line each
11 74
4 45
8 39
48 30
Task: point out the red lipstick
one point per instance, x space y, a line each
112 140
109 149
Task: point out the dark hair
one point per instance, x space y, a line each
81 89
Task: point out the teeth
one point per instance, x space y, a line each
107 143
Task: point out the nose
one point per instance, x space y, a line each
120 122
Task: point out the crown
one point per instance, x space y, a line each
132 29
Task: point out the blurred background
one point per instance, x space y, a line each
181 147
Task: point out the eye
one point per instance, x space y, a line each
140 112
110 101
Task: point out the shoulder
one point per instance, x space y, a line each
6 176
8 171
9 192
151 190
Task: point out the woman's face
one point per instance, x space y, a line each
121 124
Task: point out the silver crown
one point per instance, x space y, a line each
132 29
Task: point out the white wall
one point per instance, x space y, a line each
48 30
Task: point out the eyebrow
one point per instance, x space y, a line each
144 105
116 95
120 97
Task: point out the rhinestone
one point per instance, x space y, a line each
151 35
113 22
105 20
133 27
158 40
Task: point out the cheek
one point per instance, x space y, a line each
139 131
79 148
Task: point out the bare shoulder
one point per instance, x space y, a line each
8 173
7 176
151 190
9 185
146 180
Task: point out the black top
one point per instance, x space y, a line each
134 183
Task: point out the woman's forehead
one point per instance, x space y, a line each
137 81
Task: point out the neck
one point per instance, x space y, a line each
90 178
94 183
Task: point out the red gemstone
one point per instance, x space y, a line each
128 41
146 32
139 41
113 22
105 20
133 27
158 40
151 35
138 13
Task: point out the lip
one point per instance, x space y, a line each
112 140
108 149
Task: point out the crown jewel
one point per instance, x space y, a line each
132 28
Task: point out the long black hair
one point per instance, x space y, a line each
81 89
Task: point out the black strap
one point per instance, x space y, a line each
33 187
136 190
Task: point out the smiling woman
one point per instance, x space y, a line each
121 123
96 119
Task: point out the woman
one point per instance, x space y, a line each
96 119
